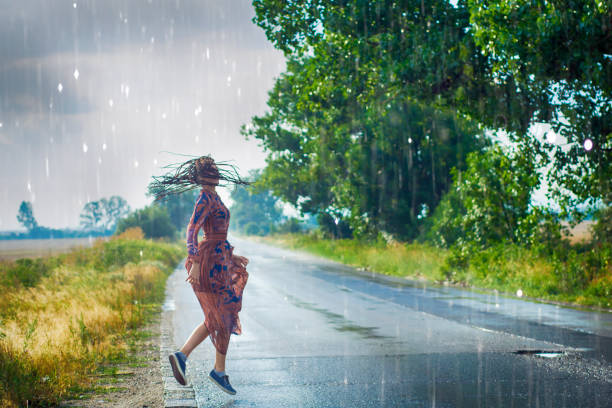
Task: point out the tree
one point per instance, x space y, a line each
506 64
25 216
254 211
153 220
491 202
103 215
180 207
373 164
560 49
92 215
115 208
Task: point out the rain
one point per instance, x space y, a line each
413 205
80 79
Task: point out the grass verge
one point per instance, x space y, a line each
65 321
505 268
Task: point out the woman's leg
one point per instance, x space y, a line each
220 362
199 334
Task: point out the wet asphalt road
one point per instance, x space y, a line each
319 334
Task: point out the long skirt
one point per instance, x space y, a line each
223 277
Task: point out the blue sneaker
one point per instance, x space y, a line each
222 382
177 361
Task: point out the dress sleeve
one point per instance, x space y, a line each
200 213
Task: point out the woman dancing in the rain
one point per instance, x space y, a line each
217 275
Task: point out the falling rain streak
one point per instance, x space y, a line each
116 80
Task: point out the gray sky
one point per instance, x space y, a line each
93 92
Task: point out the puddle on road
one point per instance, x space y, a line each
541 353
338 321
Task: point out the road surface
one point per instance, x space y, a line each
320 334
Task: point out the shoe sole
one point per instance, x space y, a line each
176 370
220 386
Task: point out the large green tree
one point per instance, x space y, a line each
507 64
344 145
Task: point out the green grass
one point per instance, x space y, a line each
577 277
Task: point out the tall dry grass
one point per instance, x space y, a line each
79 314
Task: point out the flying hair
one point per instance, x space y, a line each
192 174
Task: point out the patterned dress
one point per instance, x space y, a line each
223 275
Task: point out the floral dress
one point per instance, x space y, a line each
223 275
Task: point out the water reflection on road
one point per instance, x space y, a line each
318 334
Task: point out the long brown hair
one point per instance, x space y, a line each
189 175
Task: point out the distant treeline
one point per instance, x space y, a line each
52 233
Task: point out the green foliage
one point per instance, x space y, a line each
153 220
254 211
180 207
336 228
560 50
25 216
373 164
505 64
290 226
602 229
491 203
104 214
26 272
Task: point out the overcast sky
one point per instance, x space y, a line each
93 92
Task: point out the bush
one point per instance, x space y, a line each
290 226
153 220
26 272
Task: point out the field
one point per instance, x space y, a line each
37 248
68 321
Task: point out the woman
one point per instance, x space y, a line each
217 275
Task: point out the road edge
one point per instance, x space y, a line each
175 395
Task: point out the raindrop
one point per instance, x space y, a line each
110 103
103 146
29 187
409 140
135 163
125 90
125 20
60 87
155 161
519 293
148 108
85 148
229 80
74 5
588 145
47 166
99 160
207 53
163 115
1 124
76 74
197 139
239 92
197 110
152 40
